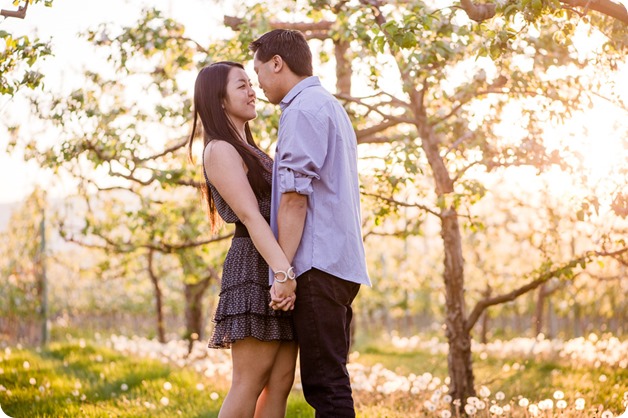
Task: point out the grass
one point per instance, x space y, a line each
532 379
72 379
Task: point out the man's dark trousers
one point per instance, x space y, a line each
322 317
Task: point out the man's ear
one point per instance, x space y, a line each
277 63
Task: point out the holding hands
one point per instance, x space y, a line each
282 292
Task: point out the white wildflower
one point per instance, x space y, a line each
470 409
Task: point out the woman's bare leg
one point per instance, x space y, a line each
252 365
273 399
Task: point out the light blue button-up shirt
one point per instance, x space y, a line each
316 155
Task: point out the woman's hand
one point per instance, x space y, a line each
280 299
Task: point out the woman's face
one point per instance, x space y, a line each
239 102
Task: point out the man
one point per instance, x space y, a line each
315 213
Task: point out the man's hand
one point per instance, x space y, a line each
283 295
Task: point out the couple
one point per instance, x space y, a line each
293 281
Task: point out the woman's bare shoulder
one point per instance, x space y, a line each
219 150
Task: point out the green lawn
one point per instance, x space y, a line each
87 380
67 380
532 379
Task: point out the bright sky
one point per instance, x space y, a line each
202 18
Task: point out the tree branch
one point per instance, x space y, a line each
606 7
311 30
20 13
478 12
544 277
126 248
375 108
371 131
402 204
166 151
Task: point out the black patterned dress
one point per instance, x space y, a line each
243 309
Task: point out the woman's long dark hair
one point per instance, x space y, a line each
210 91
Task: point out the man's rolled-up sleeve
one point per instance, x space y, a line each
302 152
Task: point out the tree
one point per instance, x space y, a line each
127 155
19 54
443 120
22 263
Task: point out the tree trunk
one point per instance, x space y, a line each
485 318
537 321
194 310
343 67
459 357
159 308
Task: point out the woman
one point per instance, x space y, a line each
238 177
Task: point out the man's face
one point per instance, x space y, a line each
267 78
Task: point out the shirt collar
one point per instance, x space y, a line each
298 88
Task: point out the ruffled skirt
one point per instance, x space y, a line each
243 309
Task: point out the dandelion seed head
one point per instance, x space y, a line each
546 404
523 402
214 396
561 404
496 410
164 401
32 381
485 392
580 404
26 365
500 396
559 394
167 385
445 413
470 409
534 409
124 387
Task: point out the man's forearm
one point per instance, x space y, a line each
290 222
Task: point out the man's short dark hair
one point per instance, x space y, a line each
290 45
